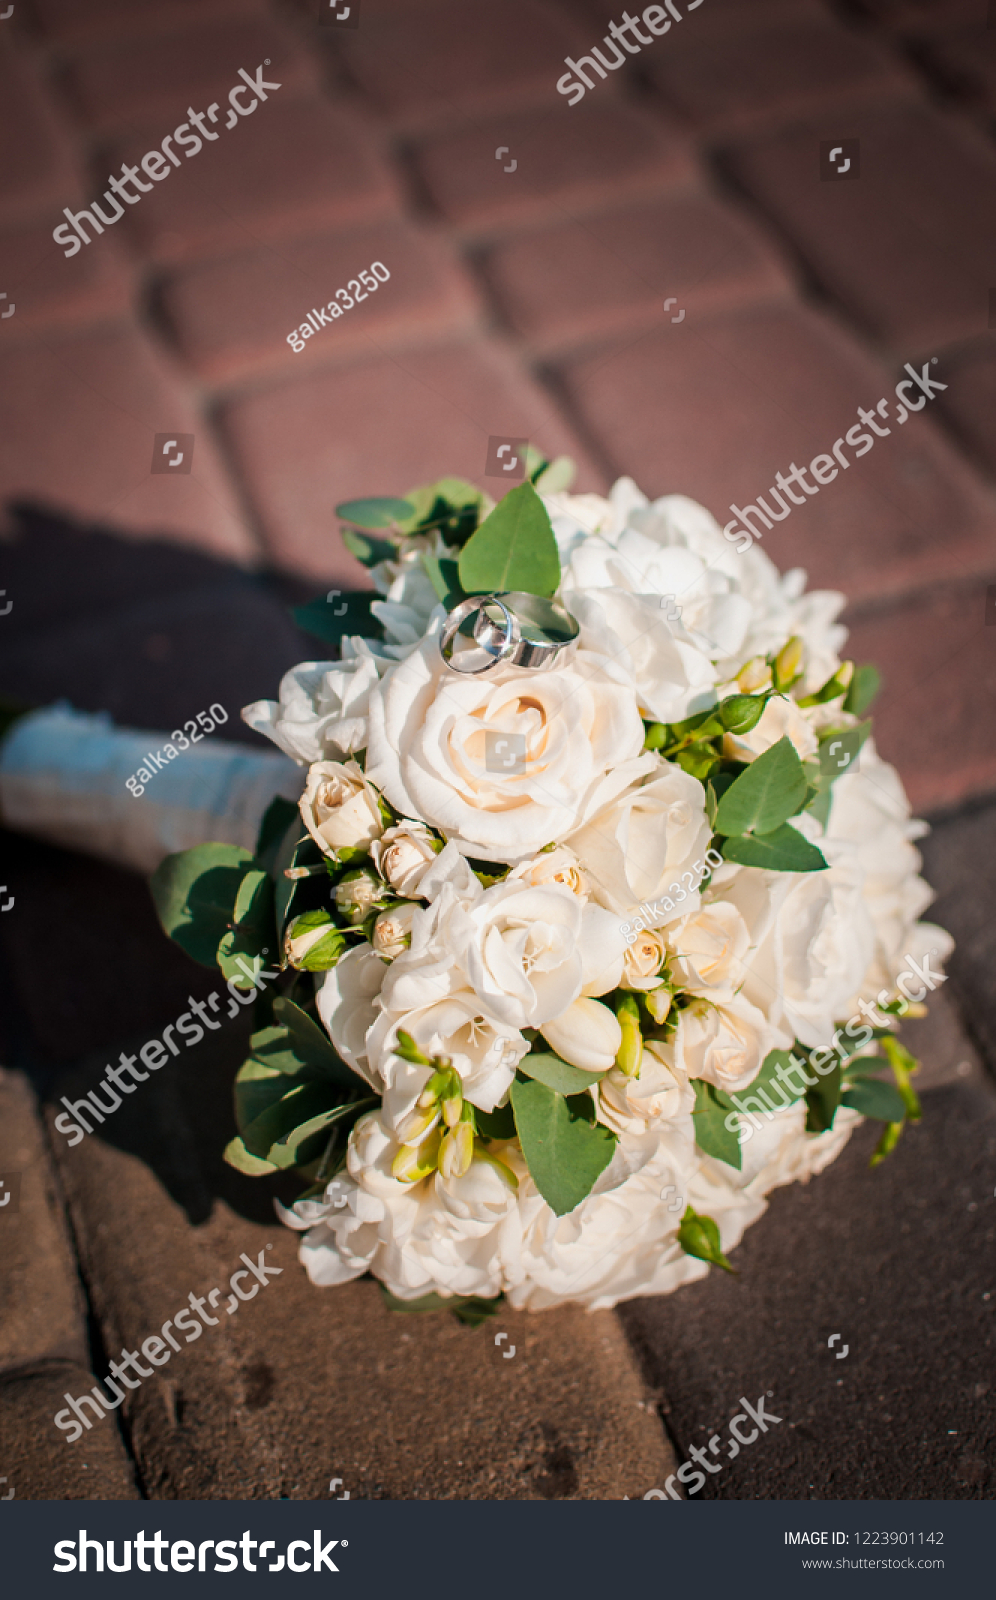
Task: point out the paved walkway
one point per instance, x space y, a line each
531 246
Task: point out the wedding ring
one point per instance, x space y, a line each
512 629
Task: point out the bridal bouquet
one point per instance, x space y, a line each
597 914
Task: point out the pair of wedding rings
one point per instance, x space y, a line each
512 629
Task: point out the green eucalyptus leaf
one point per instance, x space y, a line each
863 688
470 1309
839 750
445 579
368 550
784 850
279 815
338 613
874 1098
496 1124
237 1156
699 1236
712 1107
564 1151
378 512
548 1068
195 891
255 930
766 795
822 1101
514 548
311 1043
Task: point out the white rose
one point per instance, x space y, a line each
725 1043
645 842
658 1095
339 807
708 950
643 960
346 1003
403 854
554 866
670 674
587 1035
409 598
322 710
392 932
483 1049
429 746
781 717
812 943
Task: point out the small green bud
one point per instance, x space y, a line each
415 1162
656 736
457 1151
787 663
630 1053
658 1002
756 674
417 1123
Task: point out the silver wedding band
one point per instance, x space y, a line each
512 629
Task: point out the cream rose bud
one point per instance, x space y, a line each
781 717
404 854
554 866
340 807
643 961
392 932
356 895
587 1035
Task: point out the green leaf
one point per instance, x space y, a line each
766 795
863 688
839 750
873 1098
739 713
822 1101
496 1124
291 894
785 850
514 548
545 1067
469 1308
712 1107
311 1044
237 1156
368 550
329 619
255 931
445 579
698 760
279 815
699 1236
378 512
819 806
795 1088
452 505
307 1108
564 1152
195 893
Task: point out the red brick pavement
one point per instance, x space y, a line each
527 301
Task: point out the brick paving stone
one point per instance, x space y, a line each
45 288
71 21
908 248
935 718
291 166
37 1464
233 316
114 86
381 427
431 62
606 273
568 159
727 69
970 402
715 408
39 171
43 1315
961 60
82 435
